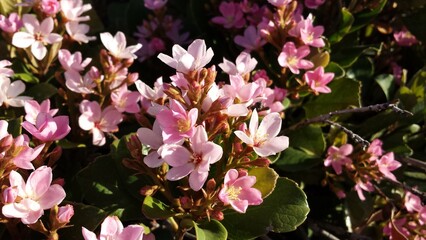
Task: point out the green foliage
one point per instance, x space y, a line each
386 83
14 127
210 230
155 209
345 23
41 91
283 211
266 179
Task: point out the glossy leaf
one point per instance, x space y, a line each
210 230
266 179
41 91
345 24
155 209
386 83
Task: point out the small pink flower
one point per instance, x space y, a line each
117 45
404 38
5 71
238 191
399 224
112 228
9 92
366 186
48 128
154 4
412 202
244 64
338 157
251 40
232 16
292 57
314 4
154 140
263 138
78 31
10 24
195 163
309 34
65 214
176 122
73 9
72 61
37 35
50 7
34 196
97 121
26 154
280 3
387 163
125 100
317 80
184 61
76 83
375 149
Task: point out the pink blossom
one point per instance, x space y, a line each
112 228
73 9
65 214
50 7
186 61
5 71
150 95
399 224
317 80
154 140
273 98
26 154
176 122
9 92
232 16
366 186
244 64
117 45
240 91
48 128
125 100
292 57
72 61
78 31
309 34
375 149
280 3
404 38
33 108
238 191
314 4
263 138
154 4
173 29
387 163
251 40
98 121
34 196
10 24
338 157
37 35
195 162
76 83
150 48
412 202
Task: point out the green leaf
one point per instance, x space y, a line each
86 216
41 91
155 209
212 230
347 54
7 6
266 179
386 83
345 93
283 211
366 17
346 20
66 144
335 68
292 160
418 84
14 127
23 73
309 139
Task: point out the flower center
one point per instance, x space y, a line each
197 158
183 125
292 61
233 193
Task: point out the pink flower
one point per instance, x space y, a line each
176 122
73 9
387 163
117 45
404 38
48 128
251 39
375 149
338 157
244 64
195 163
314 4
238 191
232 16
263 138
317 80
34 196
240 92
10 24
292 57
112 228
412 202
97 121
9 92
399 225
154 140
309 34
154 4
65 214
72 61
32 109
5 71
78 31
186 61
76 83
125 100
280 3
37 35
366 186
26 154
50 7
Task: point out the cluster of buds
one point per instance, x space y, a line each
364 168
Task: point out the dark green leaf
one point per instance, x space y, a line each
309 139
155 209
41 91
295 160
344 93
414 21
14 127
212 230
284 210
335 68
418 84
23 73
266 179
367 16
346 20
386 83
66 144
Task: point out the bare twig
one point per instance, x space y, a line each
413 162
357 138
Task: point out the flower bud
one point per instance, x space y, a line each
5 143
186 202
148 190
211 185
65 213
218 215
9 195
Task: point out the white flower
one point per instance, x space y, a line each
117 45
9 93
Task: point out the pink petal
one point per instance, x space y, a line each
111 226
53 196
132 232
254 123
153 160
177 173
239 205
88 235
46 26
22 39
197 180
98 137
16 88
148 137
53 38
243 136
272 146
252 195
211 152
230 176
39 181
270 125
39 50
175 155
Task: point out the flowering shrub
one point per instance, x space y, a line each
212 120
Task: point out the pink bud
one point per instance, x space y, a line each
65 213
9 195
